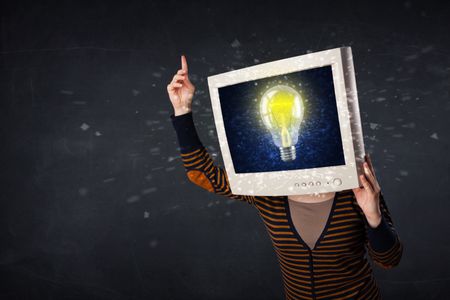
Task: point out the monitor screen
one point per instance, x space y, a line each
283 122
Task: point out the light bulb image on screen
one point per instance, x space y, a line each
283 122
282 111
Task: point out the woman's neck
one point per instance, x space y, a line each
312 198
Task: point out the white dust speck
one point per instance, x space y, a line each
156 74
210 204
371 137
171 158
149 190
133 199
397 135
153 243
427 49
155 150
403 173
109 179
150 122
409 125
66 92
135 92
146 214
97 133
84 126
83 191
235 43
374 126
256 60
406 98
434 136
411 57
175 207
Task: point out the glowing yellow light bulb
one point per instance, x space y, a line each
282 110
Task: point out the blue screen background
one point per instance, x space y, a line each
251 145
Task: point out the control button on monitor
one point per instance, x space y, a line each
303 183
318 183
337 181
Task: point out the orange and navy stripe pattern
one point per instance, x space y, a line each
337 267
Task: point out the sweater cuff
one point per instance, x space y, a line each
186 132
381 238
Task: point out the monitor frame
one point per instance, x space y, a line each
300 181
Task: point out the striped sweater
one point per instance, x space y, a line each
337 267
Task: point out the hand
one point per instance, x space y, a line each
181 90
368 197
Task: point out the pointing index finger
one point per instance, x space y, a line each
184 65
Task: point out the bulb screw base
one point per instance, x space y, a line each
287 153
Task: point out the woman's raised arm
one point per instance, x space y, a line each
199 166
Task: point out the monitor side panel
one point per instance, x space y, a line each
353 106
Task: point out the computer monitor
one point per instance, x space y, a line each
290 126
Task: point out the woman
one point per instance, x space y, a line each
320 240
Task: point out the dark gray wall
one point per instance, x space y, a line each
95 203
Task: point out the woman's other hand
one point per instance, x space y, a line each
181 90
368 197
